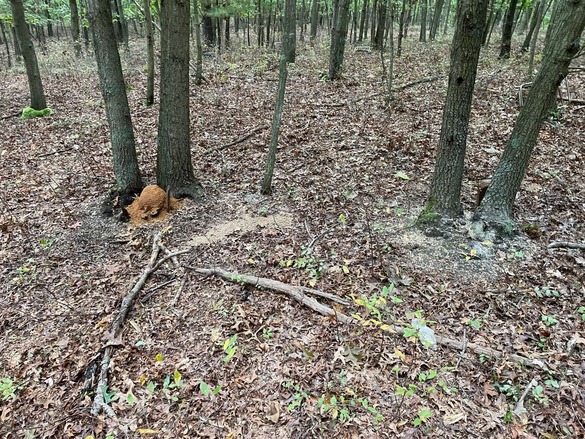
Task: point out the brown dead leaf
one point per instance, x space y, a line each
273 412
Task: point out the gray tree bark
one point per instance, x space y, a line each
35 84
338 38
113 89
507 29
445 193
149 54
289 40
567 24
174 168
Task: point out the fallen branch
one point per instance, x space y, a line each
562 244
243 138
47 154
8 116
297 293
400 88
113 339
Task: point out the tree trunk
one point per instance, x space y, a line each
208 28
6 43
149 54
128 180
445 193
50 33
507 28
540 15
373 20
423 21
401 29
363 20
266 189
302 21
567 24
199 46
35 84
380 29
289 37
174 169
447 17
338 37
436 19
75 27
260 24
314 19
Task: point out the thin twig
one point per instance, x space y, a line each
462 354
562 244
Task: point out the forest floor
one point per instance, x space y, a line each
205 357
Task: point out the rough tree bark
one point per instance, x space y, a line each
338 38
174 168
149 54
507 29
35 84
445 192
75 27
567 24
289 37
128 180
314 20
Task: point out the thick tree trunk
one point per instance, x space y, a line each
35 84
208 28
113 89
567 24
338 38
445 194
507 29
149 54
174 169
289 37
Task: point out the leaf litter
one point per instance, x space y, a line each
347 212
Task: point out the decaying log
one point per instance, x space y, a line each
298 293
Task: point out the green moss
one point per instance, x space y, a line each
428 215
29 113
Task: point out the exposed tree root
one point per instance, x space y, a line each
114 338
298 293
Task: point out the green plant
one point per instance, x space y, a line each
9 387
109 396
298 397
208 391
26 273
423 416
507 389
538 394
311 264
230 348
47 243
549 320
581 311
267 334
474 323
545 292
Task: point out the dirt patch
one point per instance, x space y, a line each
247 223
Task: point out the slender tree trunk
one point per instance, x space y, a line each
373 20
6 44
447 17
174 168
75 27
266 188
401 28
567 24
208 28
289 40
314 19
338 38
260 24
302 21
128 180
199 46
436 19
540 15
149 54
35 84
378 42
507 29
363 19
423 21
445 193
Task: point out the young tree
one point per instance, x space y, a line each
266 188
423 21
436 19
507 29
128 180
35 84
75 26
289 37
567 24
174 169
378 40
445 193
338 37
149 53
314 19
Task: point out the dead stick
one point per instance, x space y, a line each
243 138
561 244
296 293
